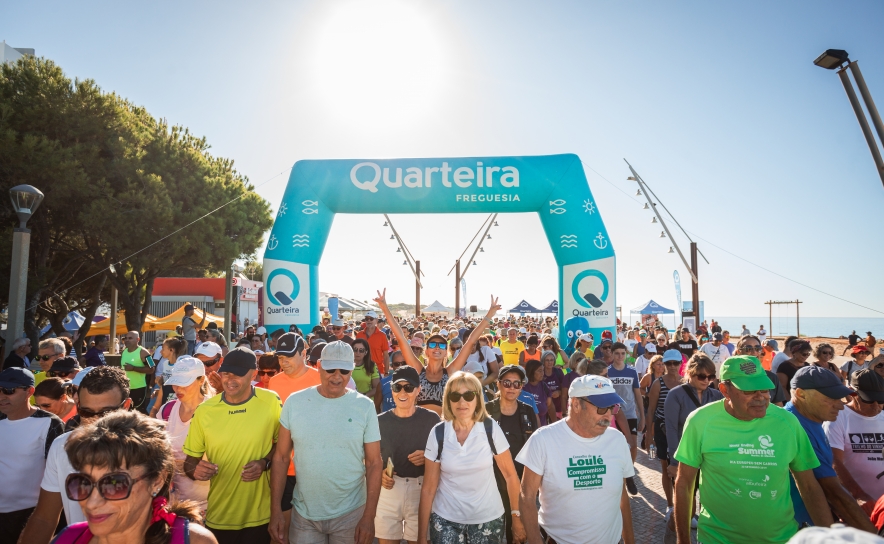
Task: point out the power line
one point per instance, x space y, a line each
630 197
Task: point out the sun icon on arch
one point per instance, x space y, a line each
589 206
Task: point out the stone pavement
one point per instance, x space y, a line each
649 506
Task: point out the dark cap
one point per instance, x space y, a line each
717 336
869 385
65 364
822 379
316 352
799 346
289 344
406 374
512 368
16 377
239 361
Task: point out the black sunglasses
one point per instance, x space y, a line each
59 373
440 345
512 384
704 377
864 401
394 364
752 348
469 396
10 390
89 414
397 387
267 373
602 411
46 357
332 371
112 487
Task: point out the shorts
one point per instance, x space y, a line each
633 425
660 439
287 493
396 517
443 531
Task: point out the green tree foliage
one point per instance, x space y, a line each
117 183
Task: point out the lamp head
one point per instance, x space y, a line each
832 59
25 201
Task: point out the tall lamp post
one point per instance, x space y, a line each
836 59
25 201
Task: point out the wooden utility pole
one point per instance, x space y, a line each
796 302
417 289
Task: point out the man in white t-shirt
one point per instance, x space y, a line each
856 439
716 350
761 334
575 462
643 362
104 389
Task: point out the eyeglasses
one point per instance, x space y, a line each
454 396
10 390
59 373
602 411
86 413
805 354
111 487
369 319
267 373
47 357
672 363
394 364
879 365
753 349
434 345
864 401
397 387
332 371
512 384
704 377
827 352
360 350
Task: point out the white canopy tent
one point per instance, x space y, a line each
437 308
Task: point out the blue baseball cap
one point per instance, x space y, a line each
821 379
672 355
16 377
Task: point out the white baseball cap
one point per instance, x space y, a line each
185 371
261 330
337 355
474 366
78 379
371 313
650 348
596 389
209 349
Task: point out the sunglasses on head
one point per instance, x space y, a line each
59 373
512 384
332 371
469 396
397 387
602 411
267 373
434 345
10 390
704 377
112 487
89 414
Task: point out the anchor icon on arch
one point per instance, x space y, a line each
600 242
272 242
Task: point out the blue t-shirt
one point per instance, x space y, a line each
625 382
823 452
387 394
528 399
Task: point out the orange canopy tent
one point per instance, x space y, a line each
154 323
103 327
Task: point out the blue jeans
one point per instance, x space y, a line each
191 346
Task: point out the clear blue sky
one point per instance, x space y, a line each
718 107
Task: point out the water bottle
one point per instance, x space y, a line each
652 452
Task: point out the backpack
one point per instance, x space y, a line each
527 421
440 436
79 533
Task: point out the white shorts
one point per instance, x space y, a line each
396 517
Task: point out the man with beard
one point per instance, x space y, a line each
746 450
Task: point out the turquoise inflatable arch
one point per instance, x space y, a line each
553 186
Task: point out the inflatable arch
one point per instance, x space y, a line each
554 186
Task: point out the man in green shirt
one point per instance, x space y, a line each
137 363
744 449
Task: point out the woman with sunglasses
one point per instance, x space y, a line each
124 465
680 402
56 396
800 353
656 414
268 367
171 349
824 353
542 395
191 388
435 375
459 501
549 343
365 374
859 355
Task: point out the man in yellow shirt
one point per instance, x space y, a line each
511 347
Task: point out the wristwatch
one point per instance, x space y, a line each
267 462
516 513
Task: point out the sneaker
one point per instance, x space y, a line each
668 513
694 522
630 486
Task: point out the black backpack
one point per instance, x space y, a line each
440 436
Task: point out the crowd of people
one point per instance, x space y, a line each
431 429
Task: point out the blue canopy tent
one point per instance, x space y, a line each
651 307
552 308
524 307
72 323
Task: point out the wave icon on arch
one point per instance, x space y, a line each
301 240
569 240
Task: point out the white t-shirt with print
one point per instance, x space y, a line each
57 469
467 491
475 357
579 473
717 354
861 439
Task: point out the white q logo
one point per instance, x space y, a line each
366 185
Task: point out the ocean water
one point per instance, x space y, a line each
831 327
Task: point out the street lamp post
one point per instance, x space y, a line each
837 59
25 201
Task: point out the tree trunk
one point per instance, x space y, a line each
80 342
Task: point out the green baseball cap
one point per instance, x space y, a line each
746 373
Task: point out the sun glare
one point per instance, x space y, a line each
380 63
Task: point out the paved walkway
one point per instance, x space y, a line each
649 506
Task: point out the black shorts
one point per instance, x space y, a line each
660 439
287 493
633 425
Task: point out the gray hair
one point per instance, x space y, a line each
53 343
19 342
